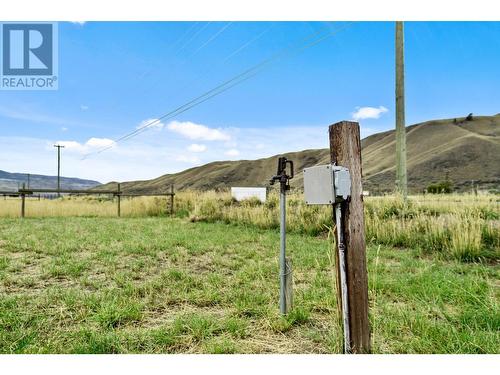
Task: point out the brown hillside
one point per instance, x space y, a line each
466 150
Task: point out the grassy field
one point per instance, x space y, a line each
167 285
464 227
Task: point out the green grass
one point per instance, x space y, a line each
159 285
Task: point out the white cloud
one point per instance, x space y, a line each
84 107
72 145
363 113
197 148
99 142
232 152
64 129
152 123
91 145
150 156
198 132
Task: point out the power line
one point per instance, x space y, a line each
151 69
211 39
222 87
245 45
194 35
239 78
204 73
183 35
176 64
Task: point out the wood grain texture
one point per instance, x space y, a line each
345 150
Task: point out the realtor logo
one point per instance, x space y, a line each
28 56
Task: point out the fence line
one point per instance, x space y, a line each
23 192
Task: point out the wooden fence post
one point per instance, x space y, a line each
119 200
345 150
172 199
23 202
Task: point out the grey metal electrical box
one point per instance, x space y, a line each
326 184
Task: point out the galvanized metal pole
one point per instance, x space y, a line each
343 279
285 265
283 251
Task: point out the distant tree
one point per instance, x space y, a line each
443 187
469 117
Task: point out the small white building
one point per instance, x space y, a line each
241 193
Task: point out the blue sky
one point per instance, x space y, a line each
115 76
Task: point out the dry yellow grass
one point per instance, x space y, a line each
84 206
465 226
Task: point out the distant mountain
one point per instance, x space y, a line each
12 181
463 150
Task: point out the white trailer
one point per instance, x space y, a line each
241 193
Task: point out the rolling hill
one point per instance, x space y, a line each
465 150
12 181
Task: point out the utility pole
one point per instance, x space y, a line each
58 169
401 179
23 202
172 199
118 196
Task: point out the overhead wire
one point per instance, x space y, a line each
219 89
211 39
194 35
245 45
203 74
183 35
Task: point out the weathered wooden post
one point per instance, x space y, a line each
119 200
172 199
23 201
345 150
